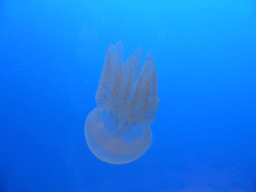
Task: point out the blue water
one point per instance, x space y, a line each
51 58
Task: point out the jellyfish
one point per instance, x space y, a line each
118 130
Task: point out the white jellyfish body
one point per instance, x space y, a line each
118 130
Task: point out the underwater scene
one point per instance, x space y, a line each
127 96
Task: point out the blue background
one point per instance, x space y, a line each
51 57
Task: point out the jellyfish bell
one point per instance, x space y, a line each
115 146
118 130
